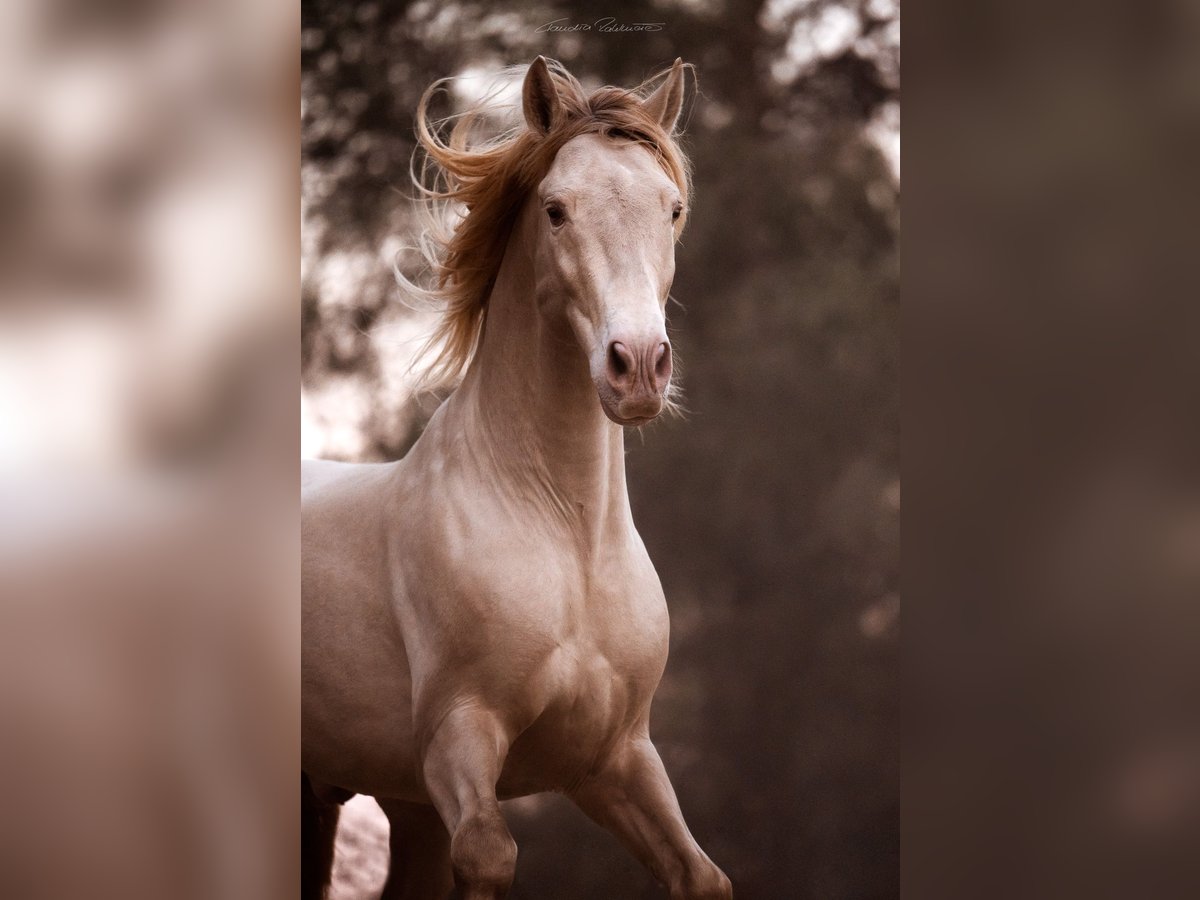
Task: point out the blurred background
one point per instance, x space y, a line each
148 516
1052 451
772 510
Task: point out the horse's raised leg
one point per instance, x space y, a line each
632 797
462 764
420 853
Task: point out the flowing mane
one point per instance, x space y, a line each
490 179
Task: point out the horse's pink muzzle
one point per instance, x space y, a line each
636 377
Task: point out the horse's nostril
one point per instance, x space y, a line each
620 360
662 361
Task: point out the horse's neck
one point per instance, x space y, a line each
530 401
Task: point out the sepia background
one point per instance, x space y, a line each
772 509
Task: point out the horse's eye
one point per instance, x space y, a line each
557 214
676 212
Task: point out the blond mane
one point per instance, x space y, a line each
490 179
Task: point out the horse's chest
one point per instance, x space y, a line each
588 648
568 646
588 701
594 685
531 598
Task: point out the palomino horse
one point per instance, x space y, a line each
481 619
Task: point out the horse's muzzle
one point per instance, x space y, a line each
636 377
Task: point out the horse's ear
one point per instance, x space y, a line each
539 97
665 104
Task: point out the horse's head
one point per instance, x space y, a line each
605 247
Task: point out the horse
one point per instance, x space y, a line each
481 619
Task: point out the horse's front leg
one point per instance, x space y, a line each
631 796
461 765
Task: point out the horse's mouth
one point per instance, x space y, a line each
637 422
628 421
630 410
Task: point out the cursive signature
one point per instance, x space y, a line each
607 25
